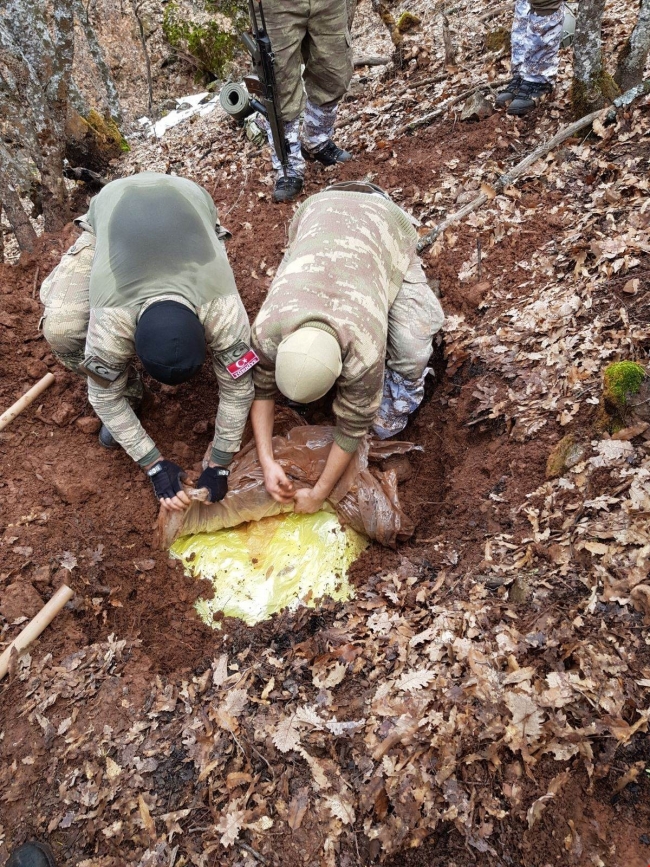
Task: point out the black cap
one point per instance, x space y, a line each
170 342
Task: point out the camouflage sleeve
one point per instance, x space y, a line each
227 332
110 343
356 405
264 372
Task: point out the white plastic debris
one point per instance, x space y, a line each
195 103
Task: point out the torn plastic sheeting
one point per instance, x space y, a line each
365 498
198 104
265 566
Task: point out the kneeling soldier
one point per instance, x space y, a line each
350 305
150 277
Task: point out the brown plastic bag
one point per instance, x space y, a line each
365 498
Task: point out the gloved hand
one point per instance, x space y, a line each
166 478
215 479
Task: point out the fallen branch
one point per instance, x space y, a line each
424 121
23 402
35 626
371 60
496 10
507 179
435 80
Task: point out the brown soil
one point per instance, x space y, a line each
64 498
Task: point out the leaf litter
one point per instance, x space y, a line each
465 689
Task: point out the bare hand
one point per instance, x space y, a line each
176 504
277 483
306 501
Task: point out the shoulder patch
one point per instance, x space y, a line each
239 359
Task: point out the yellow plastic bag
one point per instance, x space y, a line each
259 568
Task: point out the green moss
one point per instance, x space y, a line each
588 97
621 379
107 131
408 21
498 39
208 43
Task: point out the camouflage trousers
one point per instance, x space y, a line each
536 43
401 397
66 310
317 128
413 320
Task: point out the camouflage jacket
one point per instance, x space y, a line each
157 238
348 255
111 336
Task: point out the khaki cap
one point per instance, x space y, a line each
308 364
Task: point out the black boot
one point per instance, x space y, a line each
528 97
31 855
329 154
287 189
107 439
509 91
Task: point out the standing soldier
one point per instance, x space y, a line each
150 277
536 35
350 306
313 32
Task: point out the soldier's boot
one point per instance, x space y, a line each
32 855
134 393
329 154
287 189
528 97
509 92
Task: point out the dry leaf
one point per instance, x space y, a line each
332 678
298 808
229 825
286 736
341 808
411 681
147 822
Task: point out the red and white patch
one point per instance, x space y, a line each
243 365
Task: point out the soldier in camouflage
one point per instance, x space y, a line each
536 35
349 306
150 277
314 33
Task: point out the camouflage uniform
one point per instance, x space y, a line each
313 32
536 36
351 268
94 298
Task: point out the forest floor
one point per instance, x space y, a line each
484 698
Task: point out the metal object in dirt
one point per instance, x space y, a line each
235 101
569 26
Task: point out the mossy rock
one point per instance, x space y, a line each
622 380
407 21
93 141
498 40
566 454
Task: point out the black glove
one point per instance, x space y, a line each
166 478
215 479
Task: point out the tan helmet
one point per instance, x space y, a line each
308 364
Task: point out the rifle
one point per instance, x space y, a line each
263 85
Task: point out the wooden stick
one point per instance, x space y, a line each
35 626
23 402
609 114
427 118
495 10
509 178
371 60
